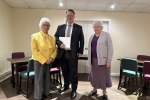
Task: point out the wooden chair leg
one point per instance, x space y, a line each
144 86
60 79
129 80
57 78
27 83
12 78
125 79
136 83
54 78
32 81
120 78
141 81
20 83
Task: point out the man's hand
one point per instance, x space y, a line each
79 55
62 46
108 64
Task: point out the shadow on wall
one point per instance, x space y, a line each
1 66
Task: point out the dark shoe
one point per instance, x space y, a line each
48 96
38 99
62 89
105 97
92 93
73 95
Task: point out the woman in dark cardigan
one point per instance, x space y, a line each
100 54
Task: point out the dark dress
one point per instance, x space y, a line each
99 76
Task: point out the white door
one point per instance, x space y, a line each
87 26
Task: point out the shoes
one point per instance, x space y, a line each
62 89
48 96
105 97
73 95
92 93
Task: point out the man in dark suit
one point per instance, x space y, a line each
68 57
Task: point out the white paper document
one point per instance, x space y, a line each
66 41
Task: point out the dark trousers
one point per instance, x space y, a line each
69 68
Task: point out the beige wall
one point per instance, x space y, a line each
6 37
130 32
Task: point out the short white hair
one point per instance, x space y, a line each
98 22
44 19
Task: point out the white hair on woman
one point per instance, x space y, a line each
98 22
44 19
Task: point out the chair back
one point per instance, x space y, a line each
18 55
146 67
143 57
30 65
55 63
129 64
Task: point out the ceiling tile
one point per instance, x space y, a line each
122 1
142 1
16 3
96 6
76 5
55 5
118 7
147 10
36 3
99 1
136 8
77 0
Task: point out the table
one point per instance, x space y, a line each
83 57
140 62
17 61
25 60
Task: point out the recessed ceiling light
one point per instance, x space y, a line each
113 6
60 4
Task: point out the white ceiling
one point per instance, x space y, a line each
137 6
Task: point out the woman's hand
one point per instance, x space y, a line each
49 61
108 64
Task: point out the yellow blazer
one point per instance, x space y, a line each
40 47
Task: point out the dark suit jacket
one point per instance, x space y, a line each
77 40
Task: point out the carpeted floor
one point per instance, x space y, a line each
84 87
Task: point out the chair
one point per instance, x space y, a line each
55 69
146 75
29 74
142 57
22 66
129 69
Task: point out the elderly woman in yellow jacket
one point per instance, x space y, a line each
43 53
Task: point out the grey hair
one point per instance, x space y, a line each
44 19
98 22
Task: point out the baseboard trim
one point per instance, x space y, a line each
5 75
115 74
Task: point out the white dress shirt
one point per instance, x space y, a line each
71 28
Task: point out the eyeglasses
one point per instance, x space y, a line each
46 25
69 15
96 27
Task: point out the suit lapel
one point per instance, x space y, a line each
74 30
64 28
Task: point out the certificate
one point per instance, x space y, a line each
66 41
